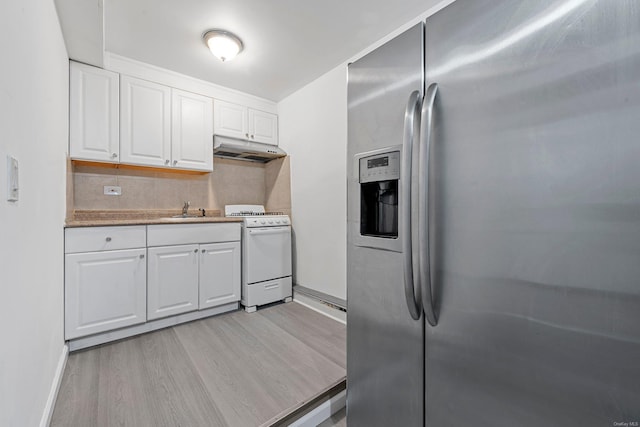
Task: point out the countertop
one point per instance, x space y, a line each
88 218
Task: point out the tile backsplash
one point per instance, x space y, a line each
231 182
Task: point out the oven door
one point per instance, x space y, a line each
267 253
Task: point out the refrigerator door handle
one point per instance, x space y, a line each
411 127
426 126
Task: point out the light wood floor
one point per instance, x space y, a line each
236 369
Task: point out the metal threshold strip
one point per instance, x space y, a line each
308 406
337 303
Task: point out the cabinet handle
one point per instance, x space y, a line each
142 256
166 162
204 250
195 250
247 135
175 162
108 239
114 155
252 136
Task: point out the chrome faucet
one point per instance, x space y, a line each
185 208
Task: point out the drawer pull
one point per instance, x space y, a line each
141 256
272 286
108 239
195 250
204 250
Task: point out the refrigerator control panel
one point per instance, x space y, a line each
380 167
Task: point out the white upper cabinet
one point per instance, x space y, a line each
192 131
230 119
93 111
145 122
263 127
161 126
237 121
122 119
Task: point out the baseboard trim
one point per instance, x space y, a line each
321 308
55 387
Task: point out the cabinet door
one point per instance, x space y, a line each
145 122
219 274
263 127
191 131
230 119
173 280
104 291
93 113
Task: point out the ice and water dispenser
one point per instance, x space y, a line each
379 175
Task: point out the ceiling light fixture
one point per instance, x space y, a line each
224 45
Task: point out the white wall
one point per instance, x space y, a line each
313 130
33 128
83 29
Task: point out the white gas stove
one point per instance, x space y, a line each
266 255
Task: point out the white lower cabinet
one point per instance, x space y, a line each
105 279
131 276
192 267
104 291
172 286
219 274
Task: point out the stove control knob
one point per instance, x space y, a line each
270 221
277 221
262 221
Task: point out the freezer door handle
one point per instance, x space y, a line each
426 127
411 128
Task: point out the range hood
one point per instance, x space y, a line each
240 149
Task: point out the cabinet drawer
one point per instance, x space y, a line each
184 234
266 292
93 239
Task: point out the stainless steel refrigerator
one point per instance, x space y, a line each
494 219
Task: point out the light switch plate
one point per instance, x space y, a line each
112 190
13 187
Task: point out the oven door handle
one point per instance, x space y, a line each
269 230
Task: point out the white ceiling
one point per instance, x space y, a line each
288 43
